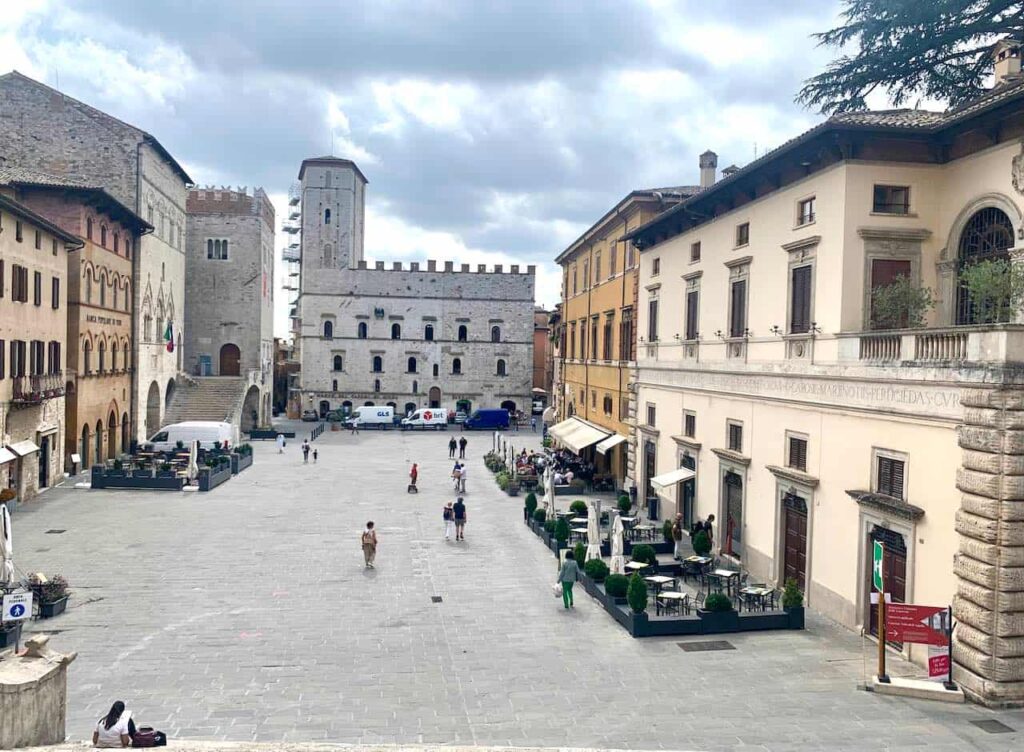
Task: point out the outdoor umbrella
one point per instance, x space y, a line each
193 461
618 564
593 534
549 490
6 547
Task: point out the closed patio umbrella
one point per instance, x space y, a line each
6 547
618 565
549 489
193 461
593 533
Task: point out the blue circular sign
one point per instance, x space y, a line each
17 609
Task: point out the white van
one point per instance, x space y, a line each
206 431
427 417
372 416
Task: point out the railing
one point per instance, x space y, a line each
34 390
880 347
993 343
942 345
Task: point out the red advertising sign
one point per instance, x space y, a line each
938 662
905 622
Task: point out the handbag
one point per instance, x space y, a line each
147 736
556 589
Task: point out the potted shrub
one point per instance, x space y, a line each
578 484
636 594
179 444
578 508
502 480
596 570
793 603
718 614
549 527
666 531
645 552
165 470
616 586
540 515
701 543
900 305
995 288
530 505
53 596
562 531
6 495
10 633
624 504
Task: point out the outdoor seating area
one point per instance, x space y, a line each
172 470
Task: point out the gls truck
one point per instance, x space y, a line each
372 416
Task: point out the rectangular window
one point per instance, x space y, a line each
891 199
53 246
37 288
613 258
19 284
36 359
890 477
593 400
805 211
2 285
689 424
575 279
597 268
735 436
3 359
652 414
742 234
692 312
695 251
630 256
623 409
17 358
583 340
572 340
798 453
800 301
55 292
39 240
656 267
586 275
652 320
626 335
18 231
593 340
738 309
53 353
609 323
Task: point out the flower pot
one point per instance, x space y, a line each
10 633
713 622
796 617
49 609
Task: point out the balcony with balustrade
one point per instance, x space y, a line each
35 390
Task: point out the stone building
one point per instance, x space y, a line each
542 361
787 385
229 314
406 336
99 292
33 330
597 332
42 128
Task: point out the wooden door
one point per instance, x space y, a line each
229 357
795 525
894 560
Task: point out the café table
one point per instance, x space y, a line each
725 579
578 521
659 581
672 600
644 532
758 595
636 566
577 533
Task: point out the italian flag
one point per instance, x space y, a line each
169 337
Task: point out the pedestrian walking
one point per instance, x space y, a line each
449 521
369 541
280 443
462 478
677 537
515 422
462 448
568 575
452 446
354 425
456 476
459 512
414 473
315 455
305 451
533 423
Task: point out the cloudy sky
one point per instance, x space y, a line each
491 132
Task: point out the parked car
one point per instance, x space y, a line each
488 418
460 416
205 431
538 407
427 418
310 416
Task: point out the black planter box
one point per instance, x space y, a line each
262 434
53 608
796 617
9 635
716 622
240 462
139 479
210 478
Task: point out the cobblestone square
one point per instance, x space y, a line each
246 614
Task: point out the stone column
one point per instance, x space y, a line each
988 647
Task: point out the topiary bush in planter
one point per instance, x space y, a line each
596 570
549 527
636 594
503 479
531 504
578 508
701 543
580 552
645 553
624 504
791 595
562 530
616 585
717 603
666 531
540 515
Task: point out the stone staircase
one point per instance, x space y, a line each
207 398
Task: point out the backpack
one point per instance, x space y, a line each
367 537
146 736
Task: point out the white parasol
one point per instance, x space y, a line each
6 547
593 534
193 461
618 565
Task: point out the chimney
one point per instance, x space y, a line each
1006 56
708 164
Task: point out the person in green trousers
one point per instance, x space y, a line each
567 576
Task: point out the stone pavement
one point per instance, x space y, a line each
246 614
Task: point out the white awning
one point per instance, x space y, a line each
6 456
666 480
576 434
614 440
23 448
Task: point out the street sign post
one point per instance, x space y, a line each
906 622
878 575
16 607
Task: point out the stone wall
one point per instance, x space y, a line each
988 646
33 696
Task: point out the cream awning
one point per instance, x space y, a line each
6 456
576 435
23 448
666 480
614 440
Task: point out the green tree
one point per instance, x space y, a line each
995 289
938 49
636 594
900 304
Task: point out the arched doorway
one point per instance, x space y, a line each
111 436
435 396
169 395
410 408
987 236
346 407
229 360
83 450
325 408
153 410
510 406
125 440
98 457
251 409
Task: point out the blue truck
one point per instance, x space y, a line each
487 419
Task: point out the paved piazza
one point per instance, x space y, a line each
246 614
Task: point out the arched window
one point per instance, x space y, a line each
328 330
87 357
362 330
987 236
209 248
328 255
117 242
334 385
327 216
101 357
113 357
114 290
337 363
127 247
437 369
501 367
457 365
378 364
103 235
463 333
103 291
415 386
495 334
412 365
147 328
396 331
127 295
376 385
428 332
88 228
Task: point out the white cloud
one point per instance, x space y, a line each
441 106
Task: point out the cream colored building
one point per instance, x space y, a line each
810 434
